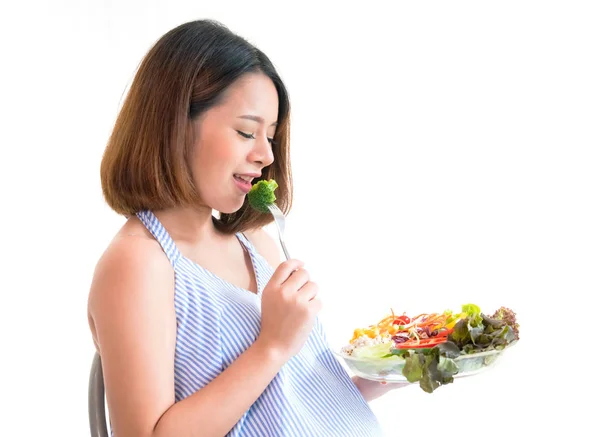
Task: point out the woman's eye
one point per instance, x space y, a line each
252 137
245 135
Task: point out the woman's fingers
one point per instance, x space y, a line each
285 270
308 291
297 280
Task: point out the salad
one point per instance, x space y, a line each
432 348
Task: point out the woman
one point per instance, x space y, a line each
202 330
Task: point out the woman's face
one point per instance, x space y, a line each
233 142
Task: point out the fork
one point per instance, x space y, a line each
280 224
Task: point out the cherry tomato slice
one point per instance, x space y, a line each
402 320
425 343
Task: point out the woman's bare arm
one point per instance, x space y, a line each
132 314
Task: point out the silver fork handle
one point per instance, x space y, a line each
279 221
287 255
285 251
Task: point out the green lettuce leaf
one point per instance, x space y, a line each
376 351
429 368
413 369
478 332
473 314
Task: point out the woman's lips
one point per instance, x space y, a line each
242 184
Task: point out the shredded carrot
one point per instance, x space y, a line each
430 321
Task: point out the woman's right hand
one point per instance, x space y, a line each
289 308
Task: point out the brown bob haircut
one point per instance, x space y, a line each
146 162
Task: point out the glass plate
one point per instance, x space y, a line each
390 369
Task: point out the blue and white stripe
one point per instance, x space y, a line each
312 395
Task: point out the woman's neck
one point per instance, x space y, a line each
190 224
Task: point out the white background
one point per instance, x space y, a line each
443 153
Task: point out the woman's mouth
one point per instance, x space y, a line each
244 183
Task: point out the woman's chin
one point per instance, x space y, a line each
230 209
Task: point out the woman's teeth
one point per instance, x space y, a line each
243 178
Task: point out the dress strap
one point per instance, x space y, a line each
161 235
256 263
246 243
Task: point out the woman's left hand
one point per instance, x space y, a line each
372 389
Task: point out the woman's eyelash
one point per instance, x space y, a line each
252 137
245 135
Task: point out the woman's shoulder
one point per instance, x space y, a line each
133 282
133 246
265 245
132 263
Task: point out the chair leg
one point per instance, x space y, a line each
96 409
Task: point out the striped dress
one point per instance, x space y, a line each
311 395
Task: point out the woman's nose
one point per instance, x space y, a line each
262 153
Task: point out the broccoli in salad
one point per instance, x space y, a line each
262 194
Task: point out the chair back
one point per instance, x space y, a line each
96 410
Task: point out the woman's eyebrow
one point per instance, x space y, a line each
255 118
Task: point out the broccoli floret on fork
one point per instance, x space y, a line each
262 194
